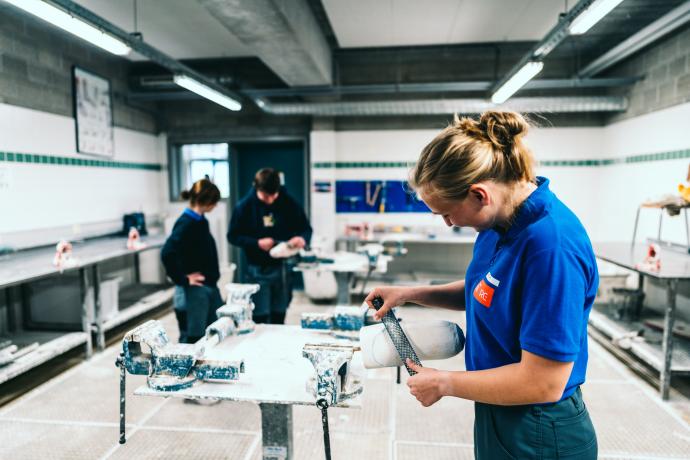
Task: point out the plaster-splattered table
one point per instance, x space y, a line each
276 377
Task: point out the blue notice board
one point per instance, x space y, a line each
376 196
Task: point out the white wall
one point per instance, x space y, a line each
404 146
623 186
605 198
42 203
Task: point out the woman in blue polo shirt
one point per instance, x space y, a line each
528 292
191 261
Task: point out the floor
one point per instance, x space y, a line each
75 416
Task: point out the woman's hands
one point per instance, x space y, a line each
196 279
427 385
392 296
266 243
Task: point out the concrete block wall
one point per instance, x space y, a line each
665 68
36 62
49 190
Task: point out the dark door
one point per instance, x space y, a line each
287 157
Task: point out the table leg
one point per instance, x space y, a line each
98 316
11 316
137 269
665 380
687 228
276 431
637 221
87 313
343 281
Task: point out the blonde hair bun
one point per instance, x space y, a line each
502 128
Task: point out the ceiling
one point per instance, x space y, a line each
371 42
183 29
366 23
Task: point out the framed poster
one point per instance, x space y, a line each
93 113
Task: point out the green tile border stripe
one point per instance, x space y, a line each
15 157
362 164
643 158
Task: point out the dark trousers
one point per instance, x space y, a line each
552 431
195 309
275 295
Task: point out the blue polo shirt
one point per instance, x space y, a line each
532 288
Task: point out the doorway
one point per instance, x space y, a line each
289 157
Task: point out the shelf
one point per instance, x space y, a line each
649 351
51 344
142 306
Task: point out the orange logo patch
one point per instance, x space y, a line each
484 293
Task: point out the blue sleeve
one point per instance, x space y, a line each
239 231
553 304
171 255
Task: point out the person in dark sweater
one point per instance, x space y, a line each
266 216
191 261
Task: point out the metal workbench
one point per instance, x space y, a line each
276 377
675 267
34 264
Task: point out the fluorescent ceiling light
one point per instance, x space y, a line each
517 81
209 93
597 10
73 25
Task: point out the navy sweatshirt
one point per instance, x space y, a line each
191 248
252 219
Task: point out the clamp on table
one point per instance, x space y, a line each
334 380
146 350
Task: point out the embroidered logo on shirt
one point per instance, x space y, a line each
269 221
492 280
484 293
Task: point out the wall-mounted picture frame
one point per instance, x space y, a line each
93 113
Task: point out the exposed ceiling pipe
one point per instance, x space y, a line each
160 82
468 86
141 47
555 36
446 106
654 31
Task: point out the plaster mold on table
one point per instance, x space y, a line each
239 305
341 319
334 380
11 353
431 340
322 321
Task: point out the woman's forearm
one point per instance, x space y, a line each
513 384
450 296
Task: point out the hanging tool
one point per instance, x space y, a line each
371 199
382 204
398 337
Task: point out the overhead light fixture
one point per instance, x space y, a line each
593 14
73 25
205 91
517 81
